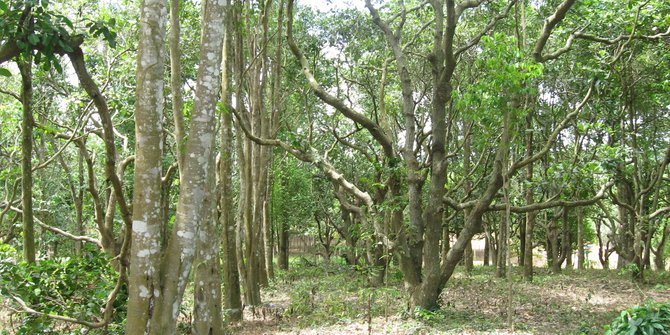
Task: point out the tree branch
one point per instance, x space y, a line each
372 127
550 141
60 231
549 25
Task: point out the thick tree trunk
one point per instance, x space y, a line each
143 282
207 317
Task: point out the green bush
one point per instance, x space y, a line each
71 286
649 319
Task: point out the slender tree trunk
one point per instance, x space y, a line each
283 245
486 250
580 239
232 301
566 253
26 69
659 253
554 250
502 249
79 204
176 83
272 121
530 216
468 257
493 246
267 227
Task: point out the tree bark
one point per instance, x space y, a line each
580 239
530 199
180 251
176 83
232 300
26 69
282 261
143 282
207 318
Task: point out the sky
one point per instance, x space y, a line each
326 5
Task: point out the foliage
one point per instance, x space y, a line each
648 319
332 293
72 286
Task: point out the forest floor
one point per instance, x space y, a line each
318 298
333 299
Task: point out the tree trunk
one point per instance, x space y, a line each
26 69
553 247
207 318
176 84
267 228
180 251
79 204
282 261
527 250
143 283
566 252
468 257
232 301
487 249
659 253
580 239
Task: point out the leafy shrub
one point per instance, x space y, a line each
649 319
72 286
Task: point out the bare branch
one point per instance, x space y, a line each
659 212
486 29
372 127
467 4
307 157
60 231
10 93
556 203
549 25
550 141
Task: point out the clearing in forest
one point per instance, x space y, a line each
334 299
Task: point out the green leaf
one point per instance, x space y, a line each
33 39
3 6
59 69
4 72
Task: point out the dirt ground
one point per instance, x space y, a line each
573 303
